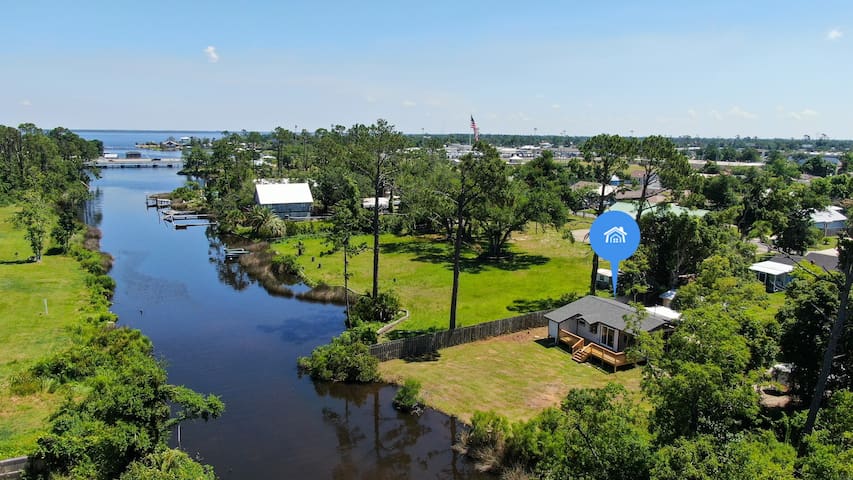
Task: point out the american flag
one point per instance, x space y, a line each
476 130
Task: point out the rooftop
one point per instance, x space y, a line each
605 311
281 193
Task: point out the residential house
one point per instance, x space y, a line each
776 273
598 327
287 200
830 221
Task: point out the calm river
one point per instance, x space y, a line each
219 332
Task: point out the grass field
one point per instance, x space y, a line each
513 375
27 333
419 270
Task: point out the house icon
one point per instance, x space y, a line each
615 235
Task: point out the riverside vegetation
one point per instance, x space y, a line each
83 398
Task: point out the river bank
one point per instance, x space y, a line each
41 304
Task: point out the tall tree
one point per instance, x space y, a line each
34 218
346 222
845 263
374 151
477 173
663 163
608 155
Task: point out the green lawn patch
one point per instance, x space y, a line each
543 266
515 375
27 334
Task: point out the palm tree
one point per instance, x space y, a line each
258 216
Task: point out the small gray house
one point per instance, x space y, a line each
287 200
596 327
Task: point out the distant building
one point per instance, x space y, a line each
133 155
287 200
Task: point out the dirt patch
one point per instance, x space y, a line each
523 336
549 395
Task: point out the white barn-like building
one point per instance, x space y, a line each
287 200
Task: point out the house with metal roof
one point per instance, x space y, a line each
830 221
287 200
598 327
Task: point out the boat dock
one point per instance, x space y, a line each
234 253
179 218
157 202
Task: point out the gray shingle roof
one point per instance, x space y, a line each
603 310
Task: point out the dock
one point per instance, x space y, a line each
183 219
233 253
157 202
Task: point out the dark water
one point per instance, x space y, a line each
220 332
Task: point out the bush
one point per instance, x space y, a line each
345 359
486 440
382 309
408 397
24 383
288 265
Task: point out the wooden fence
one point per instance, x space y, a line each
13 468
431 342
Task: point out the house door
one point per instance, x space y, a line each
608 337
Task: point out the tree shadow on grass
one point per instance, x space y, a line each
426 357
438 252
398 334
526 305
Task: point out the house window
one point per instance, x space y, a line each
608 336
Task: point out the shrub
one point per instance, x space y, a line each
24 383
486 440
345 359
408 397
288 265
381 309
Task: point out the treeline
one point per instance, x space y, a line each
119 409
43 172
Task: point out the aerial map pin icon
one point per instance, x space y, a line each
614 236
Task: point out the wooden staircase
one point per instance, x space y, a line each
581 355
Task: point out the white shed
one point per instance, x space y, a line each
285 199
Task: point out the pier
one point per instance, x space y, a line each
183 219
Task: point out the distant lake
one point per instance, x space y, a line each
122 141
218 331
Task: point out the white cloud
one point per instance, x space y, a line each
370 99
716 115
834 34
212 56
692 113
409 103
25 103
555 106
736 111
801 115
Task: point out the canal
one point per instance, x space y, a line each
218 331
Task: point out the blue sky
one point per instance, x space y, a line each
722 68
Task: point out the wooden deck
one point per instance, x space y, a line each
583 349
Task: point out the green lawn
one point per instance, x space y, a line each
27 333
419 270
513 375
